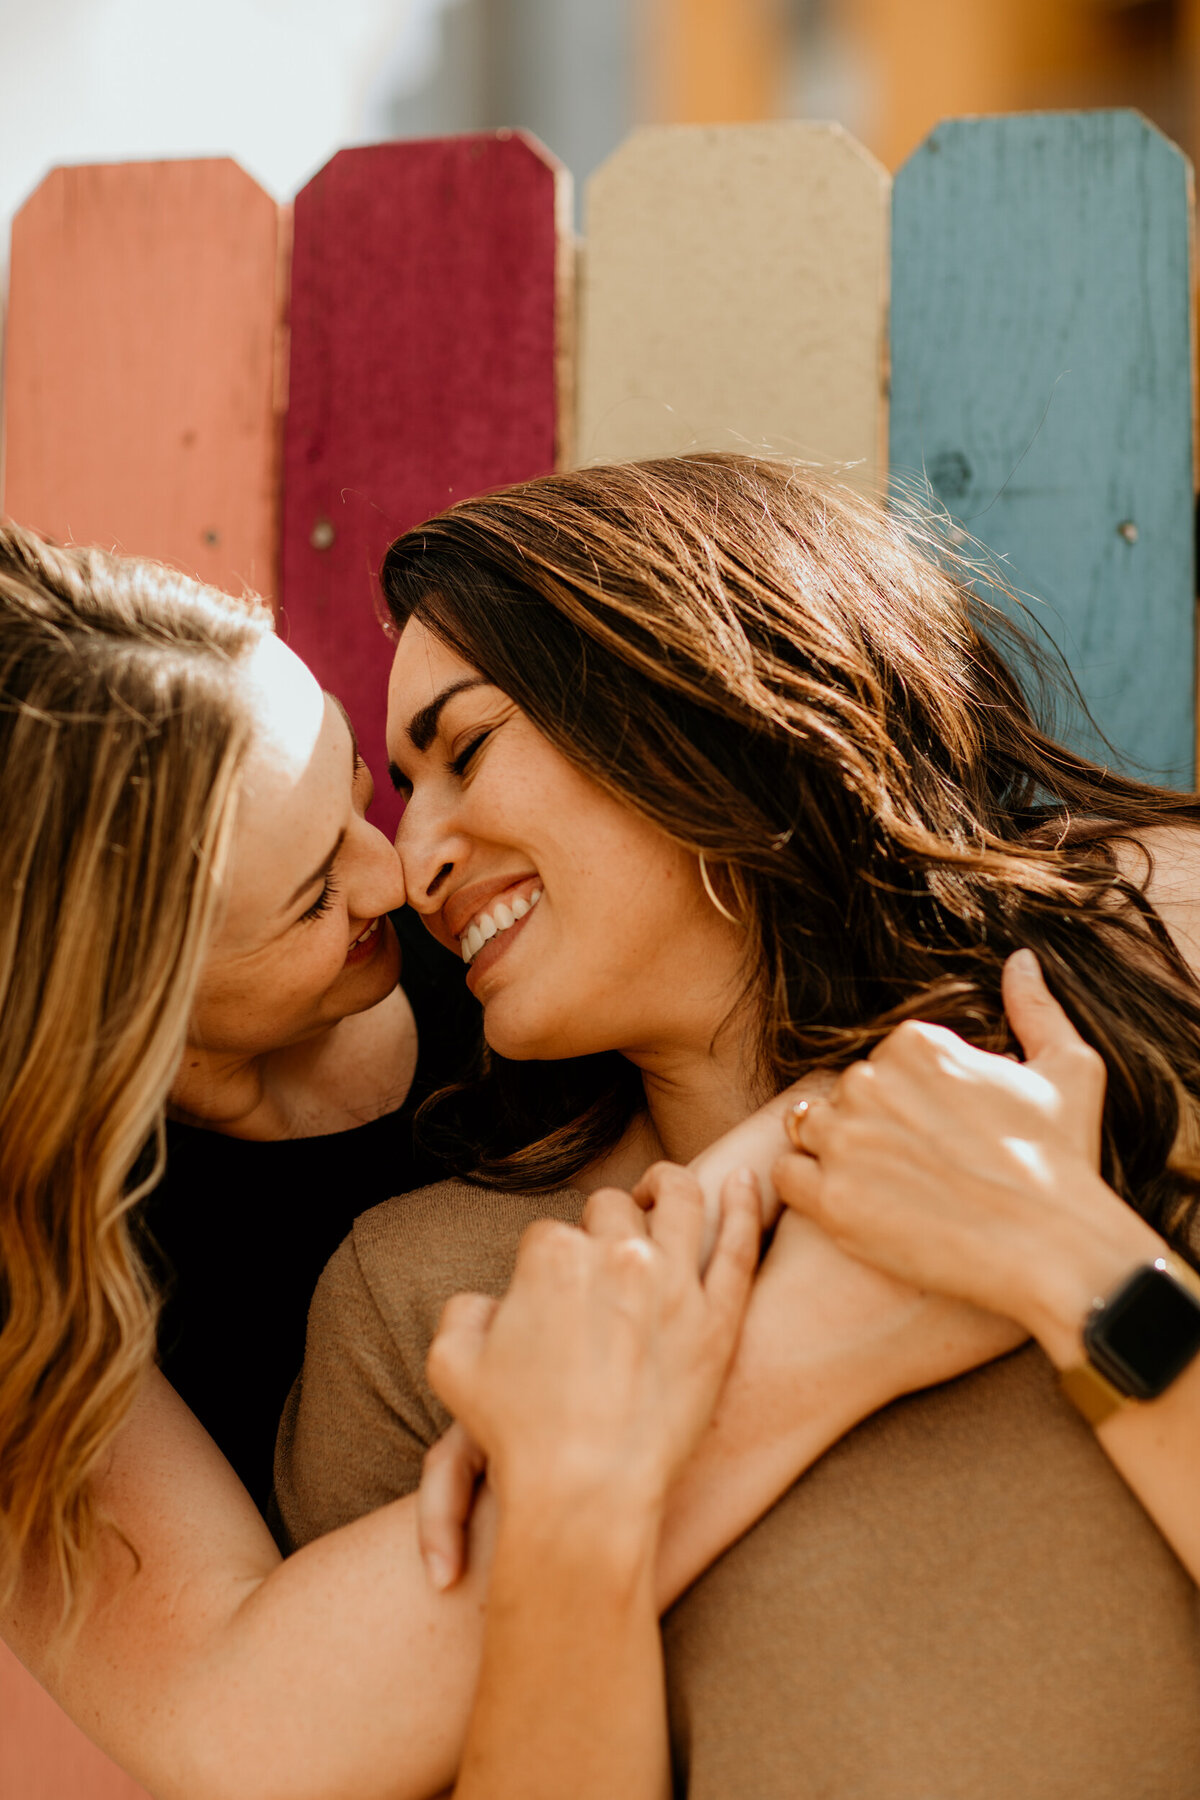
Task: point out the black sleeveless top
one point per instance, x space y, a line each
239 1232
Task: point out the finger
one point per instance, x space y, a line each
612 1213
731 1268
676 1218
808 1123
454 1352
445 1500
1040 1024
798 1183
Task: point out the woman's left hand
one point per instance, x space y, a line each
971 1174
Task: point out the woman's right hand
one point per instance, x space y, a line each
599 1370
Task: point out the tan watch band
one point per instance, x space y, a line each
1091 1393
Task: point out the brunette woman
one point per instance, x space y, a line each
713 778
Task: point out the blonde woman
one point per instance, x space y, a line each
176 796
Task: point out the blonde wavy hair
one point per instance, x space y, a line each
121 735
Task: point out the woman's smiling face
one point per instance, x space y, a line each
584 926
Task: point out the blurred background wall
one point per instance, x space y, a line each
282 83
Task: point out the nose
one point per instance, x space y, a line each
430 848
373 873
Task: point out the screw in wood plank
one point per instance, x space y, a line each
1128 530
322 535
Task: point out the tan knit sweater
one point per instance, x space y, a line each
960 1601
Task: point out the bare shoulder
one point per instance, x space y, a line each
1173 887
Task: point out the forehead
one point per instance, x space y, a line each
292 801
422 668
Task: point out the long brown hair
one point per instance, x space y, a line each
788 679
121 733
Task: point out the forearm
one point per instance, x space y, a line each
1155 1445
774 1421
571 1697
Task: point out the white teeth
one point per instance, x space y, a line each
364 935
503 916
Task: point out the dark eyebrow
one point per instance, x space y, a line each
423 724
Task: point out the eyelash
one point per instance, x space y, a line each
323 901
460 764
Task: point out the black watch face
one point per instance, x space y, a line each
1145 1334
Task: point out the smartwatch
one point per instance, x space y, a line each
1137 1339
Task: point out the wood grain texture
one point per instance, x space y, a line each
140 366
734 296
43 1755
1042 380
430 295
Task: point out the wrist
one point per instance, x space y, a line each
604 1532
1086 1257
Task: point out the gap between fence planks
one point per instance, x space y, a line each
734 297
140 387
1042 358
431 313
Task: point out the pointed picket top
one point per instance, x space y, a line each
734 297
431 301
140 403
1042 386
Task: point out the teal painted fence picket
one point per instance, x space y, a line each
1041 329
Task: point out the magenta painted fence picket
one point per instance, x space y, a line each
430 320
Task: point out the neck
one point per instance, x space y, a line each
226 1093
694 1096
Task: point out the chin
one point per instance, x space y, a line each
534 1040
358 990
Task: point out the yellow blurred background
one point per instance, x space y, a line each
890 69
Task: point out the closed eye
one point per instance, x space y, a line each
459 764
323 901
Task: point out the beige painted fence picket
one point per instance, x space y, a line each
734 296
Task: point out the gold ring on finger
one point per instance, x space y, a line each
794 1122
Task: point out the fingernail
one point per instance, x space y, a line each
1024 963
746 1176
440 1570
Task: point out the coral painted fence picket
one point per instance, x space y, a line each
1032 322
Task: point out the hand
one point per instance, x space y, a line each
599 1369
974 1175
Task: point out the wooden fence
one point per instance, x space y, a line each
266 395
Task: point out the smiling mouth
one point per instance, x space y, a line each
364 944
499 916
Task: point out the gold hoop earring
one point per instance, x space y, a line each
706 879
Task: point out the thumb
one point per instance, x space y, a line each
1039 1022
